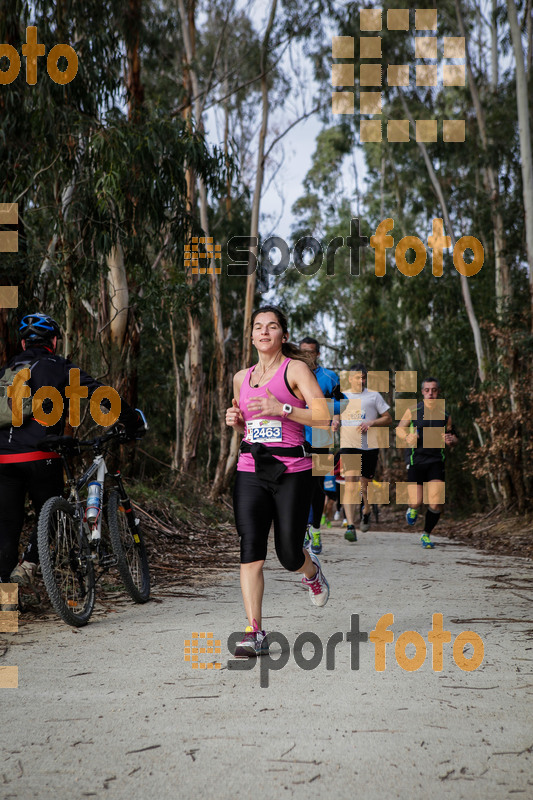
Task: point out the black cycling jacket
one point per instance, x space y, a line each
49 370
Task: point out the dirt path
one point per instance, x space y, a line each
113 710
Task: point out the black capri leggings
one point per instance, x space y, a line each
257 505
317 501
41 480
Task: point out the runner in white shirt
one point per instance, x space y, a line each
364 409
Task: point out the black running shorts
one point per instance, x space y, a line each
423 473
369 460
258 505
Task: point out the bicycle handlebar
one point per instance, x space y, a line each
69 443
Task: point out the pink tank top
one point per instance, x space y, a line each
274 431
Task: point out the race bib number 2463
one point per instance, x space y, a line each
263 430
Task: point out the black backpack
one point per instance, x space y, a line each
6 379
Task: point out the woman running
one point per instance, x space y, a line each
274 470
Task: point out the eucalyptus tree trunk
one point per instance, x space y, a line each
254 229
474 324
494 47
176 451
478 344
226 144
117 282
529 37
123 332
58 242
221 391
525 138
502 272
256 205
194 377
132 21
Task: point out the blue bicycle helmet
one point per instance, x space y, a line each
38 328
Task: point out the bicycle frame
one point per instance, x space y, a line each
72 546
99 468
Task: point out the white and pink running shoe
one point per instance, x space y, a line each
318 586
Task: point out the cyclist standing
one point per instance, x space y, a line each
24 467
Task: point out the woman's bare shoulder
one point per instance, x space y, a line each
297 368
239 377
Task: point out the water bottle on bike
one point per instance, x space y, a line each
94 502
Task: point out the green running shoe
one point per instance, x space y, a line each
426 542
316 544
411 516
350 534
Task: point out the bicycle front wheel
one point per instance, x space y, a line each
129 547
66 564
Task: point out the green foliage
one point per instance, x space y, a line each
397 323
86 176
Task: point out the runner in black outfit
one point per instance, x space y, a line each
425 465
24 467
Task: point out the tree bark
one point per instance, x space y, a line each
214 282
529 37
474 325
68 331
132 35
117 282
123 332
259 175
525 138
478 344
502 273
254 231
176 450
194 377
226 141
494 46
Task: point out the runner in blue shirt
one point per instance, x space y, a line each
329 383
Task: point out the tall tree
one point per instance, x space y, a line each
524 128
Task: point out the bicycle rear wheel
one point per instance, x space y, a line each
67 568
128 545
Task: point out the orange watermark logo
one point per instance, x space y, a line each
32 50
275 257
405 381
9 243
437 637
19 391
380 637
201 644
372 75
9 623
193 256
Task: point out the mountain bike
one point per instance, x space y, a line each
79 540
